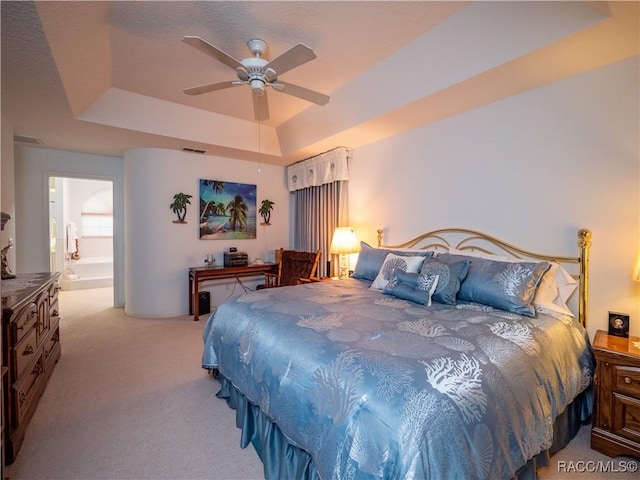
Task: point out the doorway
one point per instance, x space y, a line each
81 232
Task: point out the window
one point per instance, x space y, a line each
97 214
97 225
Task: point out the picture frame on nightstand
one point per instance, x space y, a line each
619 324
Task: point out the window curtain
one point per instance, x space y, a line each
320 189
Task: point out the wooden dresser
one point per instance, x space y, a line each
30 349
616 423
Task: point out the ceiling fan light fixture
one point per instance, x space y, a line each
257 87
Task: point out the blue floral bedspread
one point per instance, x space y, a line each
377 387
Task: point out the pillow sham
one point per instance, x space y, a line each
450 277
509 286
394 262
555 289
415 287
370 260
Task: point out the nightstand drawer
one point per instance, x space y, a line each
627 380
626 420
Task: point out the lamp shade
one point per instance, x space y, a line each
344 241
636 270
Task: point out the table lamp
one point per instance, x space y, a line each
343 243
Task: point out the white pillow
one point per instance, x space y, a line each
554 290
393 262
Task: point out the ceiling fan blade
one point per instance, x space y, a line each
303 93
290 59
215 52
211 87
260 107
243 73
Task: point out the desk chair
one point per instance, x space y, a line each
292 266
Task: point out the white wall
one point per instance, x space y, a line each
531 169
7 203
33 167
159 252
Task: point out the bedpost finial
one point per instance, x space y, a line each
379 237
584 234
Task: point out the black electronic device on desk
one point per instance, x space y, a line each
236 259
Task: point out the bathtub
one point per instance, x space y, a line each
90 272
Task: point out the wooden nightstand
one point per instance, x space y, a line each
616 423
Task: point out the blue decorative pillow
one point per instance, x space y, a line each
450 276
415 287
395 263
370 260
504 285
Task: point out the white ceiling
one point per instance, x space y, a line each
103 77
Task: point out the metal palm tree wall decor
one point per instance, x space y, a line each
179 206
265 211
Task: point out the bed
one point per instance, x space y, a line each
453 355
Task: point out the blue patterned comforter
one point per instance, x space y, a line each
377 387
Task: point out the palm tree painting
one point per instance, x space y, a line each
227 210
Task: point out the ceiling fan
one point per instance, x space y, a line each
259 73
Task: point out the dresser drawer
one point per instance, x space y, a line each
53 299
24 320
44 315
53 291
54 314
627 380
26 391
52 350
24 352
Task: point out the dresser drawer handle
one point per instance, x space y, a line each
27 351
627 380
27 320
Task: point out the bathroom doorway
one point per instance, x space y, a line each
81 232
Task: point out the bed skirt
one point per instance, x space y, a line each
283 459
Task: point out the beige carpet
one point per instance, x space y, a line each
128 400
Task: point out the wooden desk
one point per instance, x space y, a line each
201 274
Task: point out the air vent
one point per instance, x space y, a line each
193 150
25 139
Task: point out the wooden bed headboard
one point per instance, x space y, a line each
465 239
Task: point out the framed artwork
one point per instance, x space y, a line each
619 324
227 210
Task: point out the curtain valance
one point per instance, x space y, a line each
327 167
